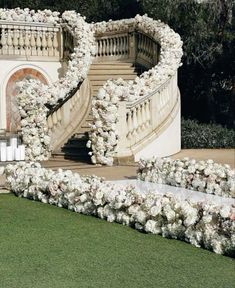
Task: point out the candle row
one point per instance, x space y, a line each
13 152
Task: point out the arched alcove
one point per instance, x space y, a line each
12 112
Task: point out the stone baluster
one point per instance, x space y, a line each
4 41
149 50
144 118
124 45
72 103
145 46
16 41
100 48
104 47
135 123
129 124
148 112
49 122
140 44
111 46
107 47
97 49
120 45
9 42
59 116
44 43
39 43
55 43
115 46
27 41
21 42
50 44
33 42
139 118
54 119
132 46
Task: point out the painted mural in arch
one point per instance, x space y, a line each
12 112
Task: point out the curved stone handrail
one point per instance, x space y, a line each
67 116
30 41
122 109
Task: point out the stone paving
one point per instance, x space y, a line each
223 156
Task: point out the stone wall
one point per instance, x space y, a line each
13 71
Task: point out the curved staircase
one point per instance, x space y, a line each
75 147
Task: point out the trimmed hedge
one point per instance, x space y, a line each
197 135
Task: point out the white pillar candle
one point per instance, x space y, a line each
22 152
17 153
9 153
3 144
13 142
3 153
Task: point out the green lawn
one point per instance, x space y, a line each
46 246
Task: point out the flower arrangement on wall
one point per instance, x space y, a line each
27 15
104 135
202 224
33 96
203 176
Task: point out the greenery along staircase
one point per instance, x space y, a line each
75 147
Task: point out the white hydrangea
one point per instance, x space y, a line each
202 224
203 176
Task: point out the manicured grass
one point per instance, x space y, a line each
45 246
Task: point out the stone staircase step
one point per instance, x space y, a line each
75 148
104 78
101 82
69 156
119 72
111 65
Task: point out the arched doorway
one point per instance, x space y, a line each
12 112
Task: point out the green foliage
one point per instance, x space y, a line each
206 79
195 135
94 10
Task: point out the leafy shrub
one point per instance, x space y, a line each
197 135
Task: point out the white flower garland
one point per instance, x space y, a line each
203 176
201 224
33 95
27 15
103 136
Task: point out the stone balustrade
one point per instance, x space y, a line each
66 116
112 47
30 41
132 45
141 119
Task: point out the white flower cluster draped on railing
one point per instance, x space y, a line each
202 224
27 15
203 176
33 95
103 136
